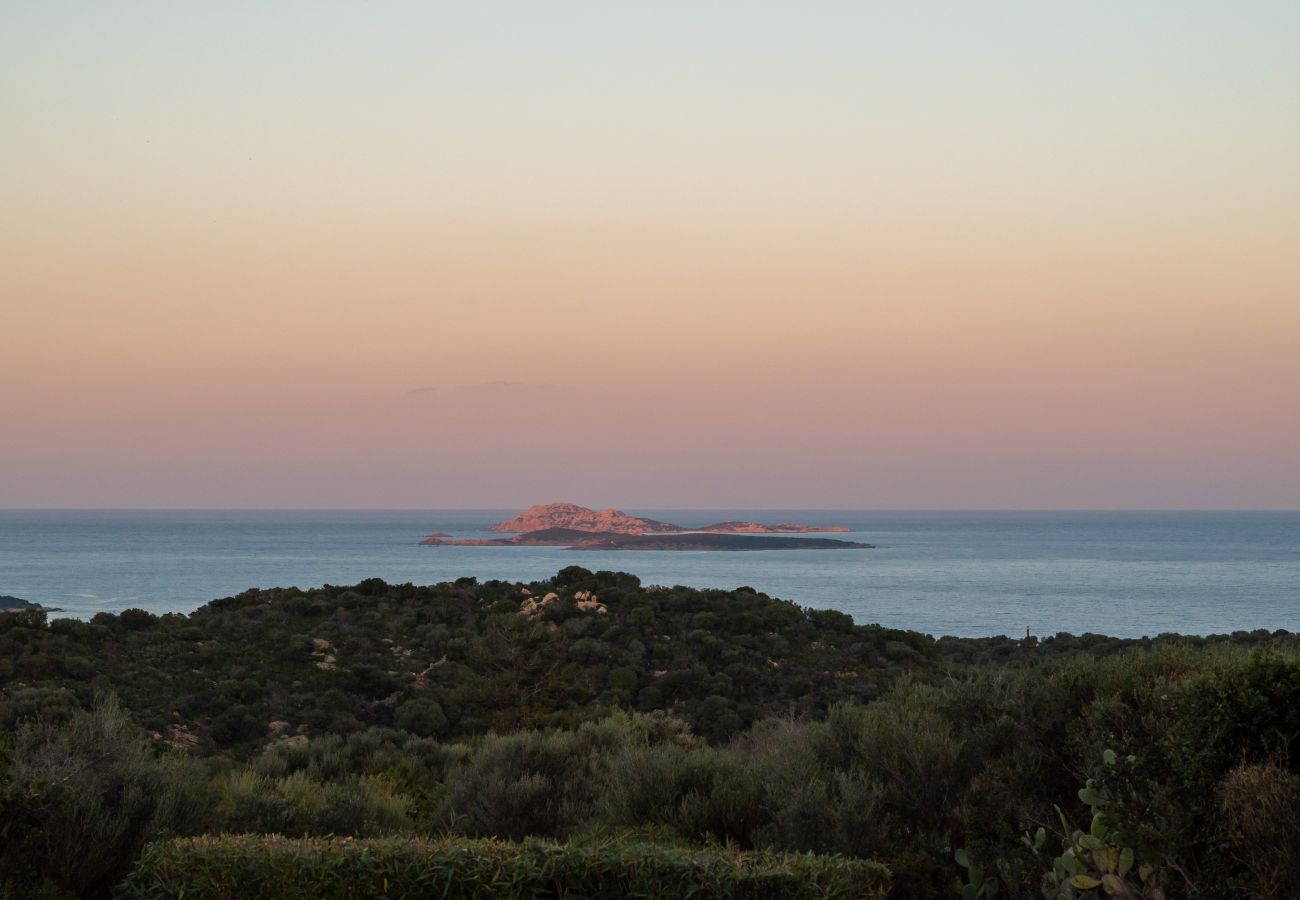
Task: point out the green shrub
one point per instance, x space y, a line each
246 866
422 716
78 800
359 806
1261 804
515 785
547 783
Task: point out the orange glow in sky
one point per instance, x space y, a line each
331 256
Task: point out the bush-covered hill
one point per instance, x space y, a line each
462 658
453 659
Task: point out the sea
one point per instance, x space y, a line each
945 573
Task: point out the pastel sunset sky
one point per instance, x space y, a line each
698 254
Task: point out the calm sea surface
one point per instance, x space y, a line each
962 573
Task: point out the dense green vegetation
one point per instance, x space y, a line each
622 867
452 660
1070 766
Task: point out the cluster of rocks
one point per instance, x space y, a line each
321 650
279 735
586 601
178 737
589 602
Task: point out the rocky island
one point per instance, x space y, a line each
580 528
544 516
615 521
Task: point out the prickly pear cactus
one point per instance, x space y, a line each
976 886
1094 864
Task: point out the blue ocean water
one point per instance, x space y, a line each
960 573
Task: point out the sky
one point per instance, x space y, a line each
660 255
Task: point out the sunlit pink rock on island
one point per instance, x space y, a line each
580 518
615 521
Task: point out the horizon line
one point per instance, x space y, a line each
495 509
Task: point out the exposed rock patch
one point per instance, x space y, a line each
422 680
589 602
736 527
585 601
580 518
178 737
324 659
532 606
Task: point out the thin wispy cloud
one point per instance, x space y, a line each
486 387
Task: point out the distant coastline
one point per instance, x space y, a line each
17 604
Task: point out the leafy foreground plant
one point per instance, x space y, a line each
1097 863
77 801
252 865
976 885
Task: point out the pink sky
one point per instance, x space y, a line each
1061 269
